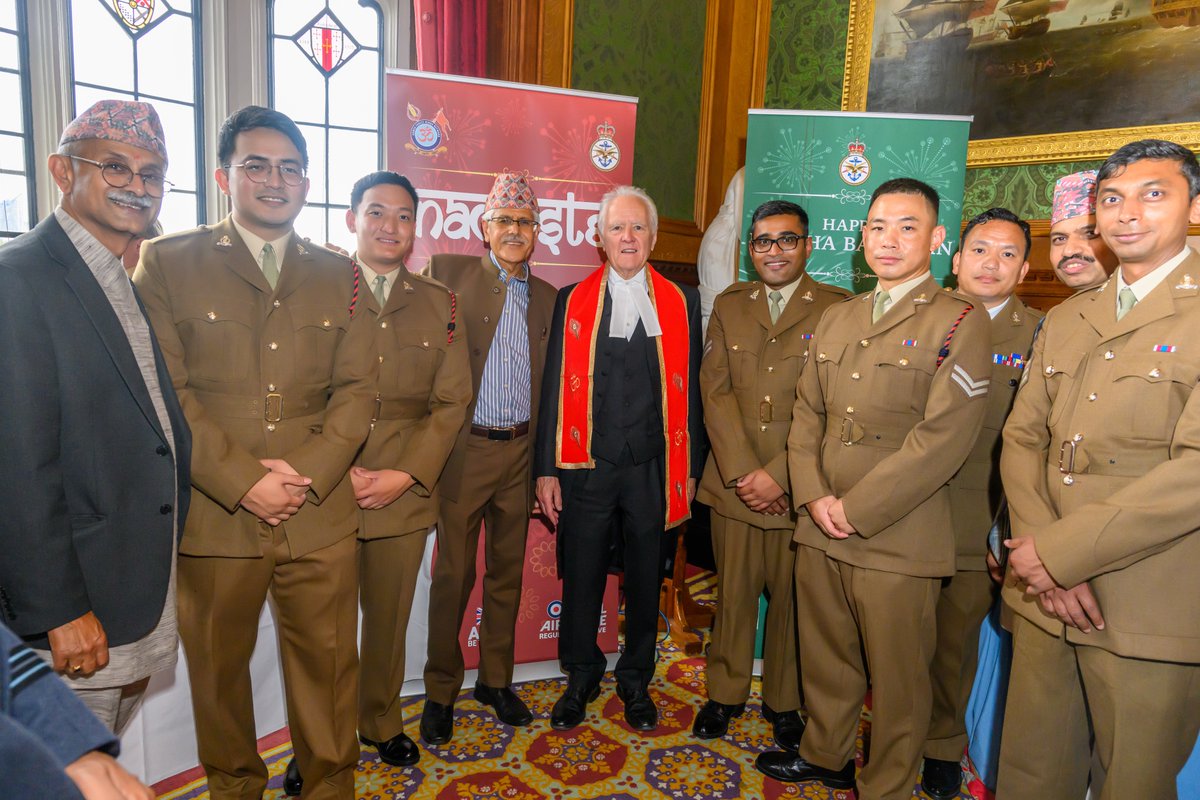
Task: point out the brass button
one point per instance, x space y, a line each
1077 437
849 409
270 427
495 290
904 362
821 356
731 347
270 387
212 315
770 369
864 342
424 343
762 427
773 340
383 324
277 304
1155 373
381 359
1092 397
1110 355
1068 479
854 376
1049 370
325 323
805 354
273 346
489 319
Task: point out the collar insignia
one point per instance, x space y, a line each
921 298
408 287
754 295
301 249
808 298
1187 283
224 242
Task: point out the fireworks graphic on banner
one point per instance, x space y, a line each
928 162
513 117
570 151
470 133
792 164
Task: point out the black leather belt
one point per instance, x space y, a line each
501 434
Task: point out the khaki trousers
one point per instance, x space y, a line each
316 611
387 579
1145 716
847 612
495 491
749 559
962 606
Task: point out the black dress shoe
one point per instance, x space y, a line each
571 709
712 722
942 780
787 726
293 784
437 723
399 751
510 709
640 711
791 768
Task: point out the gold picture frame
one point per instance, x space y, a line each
1011 151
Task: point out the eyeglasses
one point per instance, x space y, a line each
786 242
118 176
259 170
521 222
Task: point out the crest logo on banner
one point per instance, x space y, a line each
605 153
428 136
473 636
855 168
549 628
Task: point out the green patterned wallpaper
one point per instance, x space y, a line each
805 66
653 51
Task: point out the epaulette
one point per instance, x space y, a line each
740 286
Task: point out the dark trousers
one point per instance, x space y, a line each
611 505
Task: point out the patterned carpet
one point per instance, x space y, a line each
604 758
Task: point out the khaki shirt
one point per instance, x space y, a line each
881 426
424 390
287 374
1117 403
748 383
975 491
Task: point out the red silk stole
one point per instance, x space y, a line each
573 446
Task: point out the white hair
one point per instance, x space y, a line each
627 191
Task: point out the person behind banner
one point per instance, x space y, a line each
504 313
1078 254
991 261
1099 464
757 341
275 363
887 410
94 448
620 447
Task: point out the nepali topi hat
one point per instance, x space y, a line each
511 190
1074 196
125 121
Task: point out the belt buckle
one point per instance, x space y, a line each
766 411
1069 457
510 432
848 432
277 415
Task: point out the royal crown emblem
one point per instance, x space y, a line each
605 153
855 168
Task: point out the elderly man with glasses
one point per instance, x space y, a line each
758 337
270 347
94 475
504 312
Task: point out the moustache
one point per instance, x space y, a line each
129 198
1062 262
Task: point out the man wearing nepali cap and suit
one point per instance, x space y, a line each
620 448
504 313
1079 256
94 481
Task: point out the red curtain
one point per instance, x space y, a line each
452 36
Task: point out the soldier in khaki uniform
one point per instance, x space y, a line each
424 390
1100 464
990 262
275 367
758 338
888 408
505 313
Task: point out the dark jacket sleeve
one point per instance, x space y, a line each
696 434
544 457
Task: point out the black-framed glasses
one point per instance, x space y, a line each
786 242
118 176
506 221
259 170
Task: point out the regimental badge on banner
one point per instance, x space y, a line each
604 152
855 168
428 136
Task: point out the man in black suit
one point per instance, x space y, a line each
94 473
620 447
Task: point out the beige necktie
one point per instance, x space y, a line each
773 306
269 267
380 289
1125 301
882 301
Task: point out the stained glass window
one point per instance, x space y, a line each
16 147
148 50
326 73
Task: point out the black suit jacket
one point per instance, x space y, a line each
544 453
87 484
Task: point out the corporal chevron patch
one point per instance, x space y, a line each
970 386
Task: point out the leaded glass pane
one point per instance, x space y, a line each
339 234
352 154
10 51
169 43
101 46
310 224
14 203
347 105
8 15
12 153
178 212
11 116
302 95
315 136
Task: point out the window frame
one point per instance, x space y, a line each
23 67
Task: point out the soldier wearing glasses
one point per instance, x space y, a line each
275 363
504 312
758 339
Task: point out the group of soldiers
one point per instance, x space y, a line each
282 420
